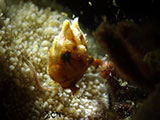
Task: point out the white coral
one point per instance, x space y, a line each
28 31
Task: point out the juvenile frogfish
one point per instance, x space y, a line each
68 56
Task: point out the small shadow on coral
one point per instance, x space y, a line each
15 102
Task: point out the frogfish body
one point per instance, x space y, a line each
68 56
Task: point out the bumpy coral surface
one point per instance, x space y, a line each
27 31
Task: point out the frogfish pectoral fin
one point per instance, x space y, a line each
74 90
97 62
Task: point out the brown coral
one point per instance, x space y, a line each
127 45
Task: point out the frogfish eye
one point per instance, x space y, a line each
66 56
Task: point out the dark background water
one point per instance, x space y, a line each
92 15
